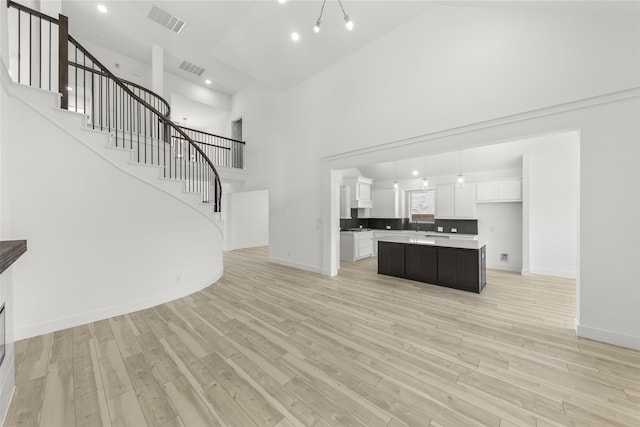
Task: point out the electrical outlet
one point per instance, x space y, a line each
454 230
504 257
440 229
388 227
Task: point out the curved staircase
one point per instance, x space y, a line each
120 206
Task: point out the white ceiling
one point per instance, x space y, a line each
481 159
236 41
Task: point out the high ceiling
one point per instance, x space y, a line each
236 41
240 40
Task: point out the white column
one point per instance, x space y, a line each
4 34
157 68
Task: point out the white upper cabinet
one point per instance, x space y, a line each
385 204
464 205
509 190
454 202
444 201
360 191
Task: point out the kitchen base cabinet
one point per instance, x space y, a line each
448 266
356 245
391 259
421 263
468 270
456 268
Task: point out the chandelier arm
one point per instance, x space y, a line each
341 7
322 10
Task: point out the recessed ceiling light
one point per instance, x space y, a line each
102 8
415 173
295 36
208 81
282 1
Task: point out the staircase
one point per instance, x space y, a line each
141 138
120 206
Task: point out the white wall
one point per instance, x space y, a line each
195 100
101 242
501 225
553 200
249 219
457 67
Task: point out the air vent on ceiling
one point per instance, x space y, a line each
191 68
166 19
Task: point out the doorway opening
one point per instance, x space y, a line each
236 129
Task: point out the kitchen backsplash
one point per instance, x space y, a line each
464 226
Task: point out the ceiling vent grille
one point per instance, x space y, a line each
166 19
191 68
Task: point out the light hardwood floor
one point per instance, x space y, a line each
273 346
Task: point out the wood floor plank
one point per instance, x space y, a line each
189 406
101 330
92 409
164 368
247 397
125 411
268 345
35 360
187 363
226 406
114 374
276 391
58 405
343 388
26 404
153 400
62 345
124 336
322 405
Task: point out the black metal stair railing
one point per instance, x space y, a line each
224 152
137 118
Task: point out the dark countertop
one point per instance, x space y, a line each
10 251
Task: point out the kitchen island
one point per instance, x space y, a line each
454 263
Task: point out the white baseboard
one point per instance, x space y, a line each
246 246
568 274
610 337
117 310
526 272
298 265
505 267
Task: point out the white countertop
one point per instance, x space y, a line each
416 233
435 241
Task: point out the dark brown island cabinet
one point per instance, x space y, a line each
453 267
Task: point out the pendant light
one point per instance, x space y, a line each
425 181
347 21
395 183
316 28
460 178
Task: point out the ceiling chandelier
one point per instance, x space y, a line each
316 28
347 21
